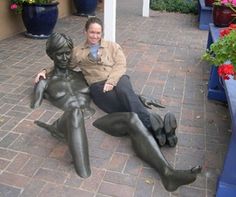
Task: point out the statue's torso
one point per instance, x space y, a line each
66 92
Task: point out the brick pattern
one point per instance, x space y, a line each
164 61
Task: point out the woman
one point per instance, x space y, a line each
103 65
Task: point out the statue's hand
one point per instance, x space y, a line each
148 102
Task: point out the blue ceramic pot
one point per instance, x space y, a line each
85 7
39 19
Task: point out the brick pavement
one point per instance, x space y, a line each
163 54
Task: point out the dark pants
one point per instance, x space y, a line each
121 99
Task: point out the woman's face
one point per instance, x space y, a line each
94 33
62 57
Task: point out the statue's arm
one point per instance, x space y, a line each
39 89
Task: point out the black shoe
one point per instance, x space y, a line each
170 125
157 129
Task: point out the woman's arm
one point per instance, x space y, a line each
119 67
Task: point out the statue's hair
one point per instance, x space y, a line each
56 41
93 20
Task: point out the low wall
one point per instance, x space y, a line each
11 23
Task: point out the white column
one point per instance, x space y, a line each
146 8
110 20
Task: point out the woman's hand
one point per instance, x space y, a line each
41 74
108 87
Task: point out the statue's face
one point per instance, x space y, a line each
62 57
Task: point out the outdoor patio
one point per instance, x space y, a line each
164 61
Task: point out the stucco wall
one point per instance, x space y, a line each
11 24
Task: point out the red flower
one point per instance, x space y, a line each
225 70
13 6
227 30
232 26
224 32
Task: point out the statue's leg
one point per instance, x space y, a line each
147 149
78 142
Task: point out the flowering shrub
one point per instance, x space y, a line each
16 5
222 53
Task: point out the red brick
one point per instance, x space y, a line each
14 179
51 176
53 190
18 162
118 162
4 164
117 189
32 166
35 114
7 154
92 183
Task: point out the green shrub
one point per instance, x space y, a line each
182 6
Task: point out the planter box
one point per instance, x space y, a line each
204 15
226 185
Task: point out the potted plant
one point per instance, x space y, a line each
224 12
222 53
39 16
85 7
209 3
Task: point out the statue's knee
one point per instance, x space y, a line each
76 116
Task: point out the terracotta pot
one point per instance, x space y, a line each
222 16
209 3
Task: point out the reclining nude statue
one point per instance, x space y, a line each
68 90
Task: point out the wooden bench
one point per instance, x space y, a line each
226 185
204 15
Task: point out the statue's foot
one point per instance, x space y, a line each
172 179
170 125
54 132
157 129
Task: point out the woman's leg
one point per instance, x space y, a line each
131 102
123 99
146 148
108 102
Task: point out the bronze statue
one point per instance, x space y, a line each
67 90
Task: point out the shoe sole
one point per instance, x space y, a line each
170 125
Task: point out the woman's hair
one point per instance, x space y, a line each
56 41
93 20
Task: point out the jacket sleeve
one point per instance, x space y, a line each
119 67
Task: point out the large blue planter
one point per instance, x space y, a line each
85 7
39 19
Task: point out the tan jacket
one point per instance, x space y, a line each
110 66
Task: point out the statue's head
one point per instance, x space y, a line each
59 48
